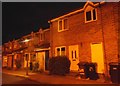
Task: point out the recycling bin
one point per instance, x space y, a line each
92 71
83 69
89 70
31 66
114 71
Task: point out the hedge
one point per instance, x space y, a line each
59 65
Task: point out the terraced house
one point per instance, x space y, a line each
33 48
89 34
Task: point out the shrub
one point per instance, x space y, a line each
59 65
18 63
36 66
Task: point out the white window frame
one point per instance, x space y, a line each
91 15
60 50
63 25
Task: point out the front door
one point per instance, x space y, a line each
97 56
46 59
74 57
41 60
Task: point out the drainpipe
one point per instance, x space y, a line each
51 39
103 37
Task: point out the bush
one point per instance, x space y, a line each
59 65
36 66
18 63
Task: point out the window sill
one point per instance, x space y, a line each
62 30
90 21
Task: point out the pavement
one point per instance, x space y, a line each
44 77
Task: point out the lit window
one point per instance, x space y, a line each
90 15
62 25
60 51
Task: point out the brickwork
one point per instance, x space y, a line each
47 35
119 29
104 29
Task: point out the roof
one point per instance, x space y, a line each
79 10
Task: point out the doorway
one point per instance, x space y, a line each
97 56
74 57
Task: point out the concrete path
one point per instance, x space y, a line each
53 79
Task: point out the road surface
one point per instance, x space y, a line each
10 79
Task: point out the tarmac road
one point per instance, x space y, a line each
10 79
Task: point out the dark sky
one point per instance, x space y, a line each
21 18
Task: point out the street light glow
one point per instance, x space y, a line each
26 40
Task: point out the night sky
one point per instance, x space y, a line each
21 18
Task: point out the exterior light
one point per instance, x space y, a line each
26 40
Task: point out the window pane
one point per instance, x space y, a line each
58 51
62 51
94 14
72 54
75 54
88 15
60 25
65 24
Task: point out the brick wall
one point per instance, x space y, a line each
119 29
47 35
83 34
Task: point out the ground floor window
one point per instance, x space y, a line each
60 51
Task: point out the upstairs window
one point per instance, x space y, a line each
90 15
60 51
65 24
62 25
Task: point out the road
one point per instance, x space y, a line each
10 79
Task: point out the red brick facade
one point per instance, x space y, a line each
104 29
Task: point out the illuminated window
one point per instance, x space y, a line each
90 15
62 25
60 51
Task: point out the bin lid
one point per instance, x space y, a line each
86 63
